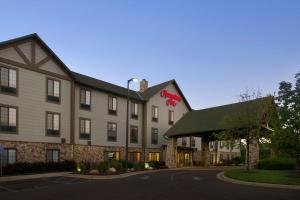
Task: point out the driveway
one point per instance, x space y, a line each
173 185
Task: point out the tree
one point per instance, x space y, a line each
288 103
250 122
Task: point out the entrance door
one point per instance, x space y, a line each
184 159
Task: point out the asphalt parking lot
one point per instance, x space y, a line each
31 184
179 184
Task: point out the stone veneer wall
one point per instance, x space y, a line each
36 151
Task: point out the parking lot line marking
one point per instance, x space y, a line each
7 189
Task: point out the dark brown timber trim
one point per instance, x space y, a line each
18 50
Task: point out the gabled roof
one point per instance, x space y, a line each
105 86
95 83
151 91
207 121
43 44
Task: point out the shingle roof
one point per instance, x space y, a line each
98 84
210 120
105 86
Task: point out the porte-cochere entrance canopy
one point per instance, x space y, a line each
205 123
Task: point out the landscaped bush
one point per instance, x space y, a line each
118 165
38 167
157 164
277 163
84 166
139 166
102 167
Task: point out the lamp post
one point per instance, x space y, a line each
127 121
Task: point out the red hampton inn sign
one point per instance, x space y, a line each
172 99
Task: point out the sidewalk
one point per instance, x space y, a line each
32 176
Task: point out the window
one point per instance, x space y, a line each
115 155
134 110
111 132
154 156
171 117
112 105
85 99
221 157
193 142
134 156
9 156
133 134
154 136
8 118
52 155
53 124
211 145
154 113
8 80
85 128
184 141
53 90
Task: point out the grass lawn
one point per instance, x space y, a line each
264 176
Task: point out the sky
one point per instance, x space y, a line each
215 50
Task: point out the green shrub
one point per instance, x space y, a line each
277 163
118 165
157 164
102 167
139 165
38 167
123 162
84 166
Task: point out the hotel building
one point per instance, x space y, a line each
49 113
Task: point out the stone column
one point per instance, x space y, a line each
171 153
253 154
205 152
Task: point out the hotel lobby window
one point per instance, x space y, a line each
85 99
9 156
53 90
154 113
193 142
134 110
53 124
85 128
133 134
52 155
134 156
154 136
112 105
8 119
8 80
184 141
171 117
111 132
154 156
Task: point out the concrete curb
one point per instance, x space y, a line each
32 176
109 177
222 177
